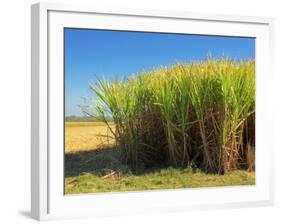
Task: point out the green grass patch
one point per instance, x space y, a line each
166 178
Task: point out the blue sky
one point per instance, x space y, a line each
101 53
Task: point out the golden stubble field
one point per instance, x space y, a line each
84 136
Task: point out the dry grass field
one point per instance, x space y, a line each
83 136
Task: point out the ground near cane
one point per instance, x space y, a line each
94 166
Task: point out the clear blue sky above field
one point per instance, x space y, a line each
96 53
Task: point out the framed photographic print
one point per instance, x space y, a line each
148 111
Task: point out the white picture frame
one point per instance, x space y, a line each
48 200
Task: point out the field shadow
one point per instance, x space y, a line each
98 162
101 162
